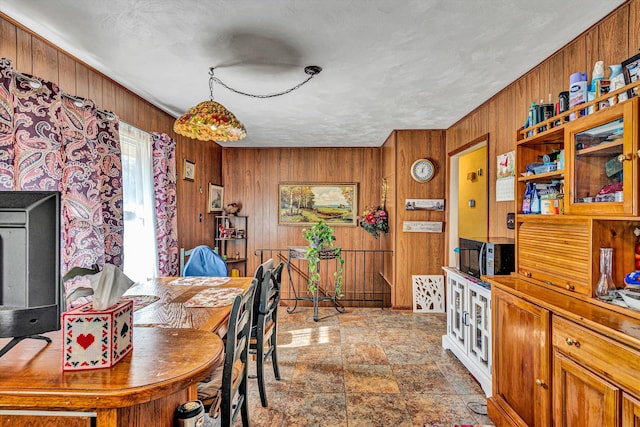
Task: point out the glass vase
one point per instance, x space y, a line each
605 286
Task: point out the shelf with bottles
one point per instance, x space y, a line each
552 129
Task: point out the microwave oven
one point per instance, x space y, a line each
491 257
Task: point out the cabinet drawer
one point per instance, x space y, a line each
557 254
608 358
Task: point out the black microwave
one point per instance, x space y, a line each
491 257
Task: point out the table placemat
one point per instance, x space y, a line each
200 281
214 297
141 301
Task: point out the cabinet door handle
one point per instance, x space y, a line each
465 315
569 287
540 383
573 342
623 157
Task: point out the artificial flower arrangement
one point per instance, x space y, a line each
375 220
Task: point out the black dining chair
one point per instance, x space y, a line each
224 394
264 332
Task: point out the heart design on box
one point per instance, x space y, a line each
85 340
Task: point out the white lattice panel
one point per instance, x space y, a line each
428 293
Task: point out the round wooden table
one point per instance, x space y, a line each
143 389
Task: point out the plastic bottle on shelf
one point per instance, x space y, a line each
526 201
535 200
577 91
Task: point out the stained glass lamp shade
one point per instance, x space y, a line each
210 121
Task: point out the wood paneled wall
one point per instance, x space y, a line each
251 177
414 253
33 55
612 40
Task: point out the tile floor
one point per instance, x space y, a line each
366 367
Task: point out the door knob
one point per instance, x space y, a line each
571 341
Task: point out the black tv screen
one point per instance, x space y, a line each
30 293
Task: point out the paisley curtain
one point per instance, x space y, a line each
50 141
110 162
164 183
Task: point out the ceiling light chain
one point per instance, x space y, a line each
311 70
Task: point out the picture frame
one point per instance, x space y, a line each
631 73
189 170
215 199
306 203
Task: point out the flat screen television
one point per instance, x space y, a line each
30 293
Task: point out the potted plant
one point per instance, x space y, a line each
320 237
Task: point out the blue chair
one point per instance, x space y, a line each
204 261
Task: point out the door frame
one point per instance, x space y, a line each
453 159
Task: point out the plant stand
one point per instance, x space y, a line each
298 252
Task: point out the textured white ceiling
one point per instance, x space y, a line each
387 64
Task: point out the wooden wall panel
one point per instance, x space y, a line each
23 59
67 75
33 55
613 44
634 28
417 253
8 43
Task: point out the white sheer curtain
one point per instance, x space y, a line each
140 249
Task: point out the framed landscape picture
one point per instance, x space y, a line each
215 198
309 203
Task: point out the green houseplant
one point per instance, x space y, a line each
320 238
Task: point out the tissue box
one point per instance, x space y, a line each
96 338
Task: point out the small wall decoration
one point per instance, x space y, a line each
422 227
631 72
189 170
505 177
216 193
309 203
424 204
428 293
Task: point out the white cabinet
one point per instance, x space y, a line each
469 324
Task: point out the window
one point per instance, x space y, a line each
140 248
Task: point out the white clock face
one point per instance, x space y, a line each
422 170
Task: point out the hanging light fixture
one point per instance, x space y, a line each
211 121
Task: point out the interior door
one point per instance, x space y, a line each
473 194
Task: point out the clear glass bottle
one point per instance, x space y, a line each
605 286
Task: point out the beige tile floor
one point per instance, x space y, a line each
366 367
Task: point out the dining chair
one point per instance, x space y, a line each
264 332
203 261
224 393
184 254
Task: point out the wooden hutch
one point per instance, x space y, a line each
562 356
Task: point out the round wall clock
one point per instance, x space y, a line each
422 170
